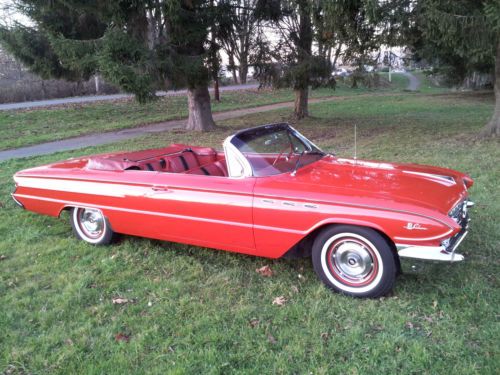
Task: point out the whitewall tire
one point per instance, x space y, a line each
90 225
355 261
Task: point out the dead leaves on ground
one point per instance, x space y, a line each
280 301
265 271
122 301
254 322
325 336
271 339
122 337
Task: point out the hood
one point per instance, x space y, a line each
382 183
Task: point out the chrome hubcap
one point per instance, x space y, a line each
91 222
352 259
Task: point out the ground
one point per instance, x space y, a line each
195 310
29 127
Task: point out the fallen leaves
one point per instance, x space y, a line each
279 301
122 337
254 322
121 301
428 319
265 271
271 339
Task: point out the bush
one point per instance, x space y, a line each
34 88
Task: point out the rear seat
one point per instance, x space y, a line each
177 163
217 168
186 162
159 165
183 162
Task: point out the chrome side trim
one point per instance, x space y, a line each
66 203
437 253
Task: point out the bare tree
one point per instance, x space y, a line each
240 36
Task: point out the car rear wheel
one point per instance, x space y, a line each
90 225
355 261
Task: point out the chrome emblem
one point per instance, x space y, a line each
414 226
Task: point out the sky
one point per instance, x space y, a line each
8 15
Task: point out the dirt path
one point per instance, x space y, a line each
115 136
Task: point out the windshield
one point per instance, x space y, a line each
275 149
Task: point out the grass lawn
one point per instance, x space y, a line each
196 310
28 127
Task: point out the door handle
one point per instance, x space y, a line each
159 188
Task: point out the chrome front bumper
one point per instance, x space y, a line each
445 252
439 253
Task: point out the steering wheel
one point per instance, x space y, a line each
282 152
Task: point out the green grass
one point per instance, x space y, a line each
202 311
427 85
28 127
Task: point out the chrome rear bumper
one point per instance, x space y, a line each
16 201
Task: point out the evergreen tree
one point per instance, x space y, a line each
353 27
461 37
141 46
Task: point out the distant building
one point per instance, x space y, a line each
395 57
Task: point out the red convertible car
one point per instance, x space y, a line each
271 193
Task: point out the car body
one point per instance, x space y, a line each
269 193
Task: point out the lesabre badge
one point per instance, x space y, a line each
412 226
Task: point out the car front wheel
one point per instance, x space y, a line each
355 261
90 225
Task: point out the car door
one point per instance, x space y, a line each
202 210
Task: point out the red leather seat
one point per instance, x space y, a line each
214 169
183 162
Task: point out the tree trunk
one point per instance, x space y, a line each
337 54
492 129
232 67
243 72
96 81
304 50
216 89
301 109
200 111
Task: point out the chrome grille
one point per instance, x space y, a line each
459 213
